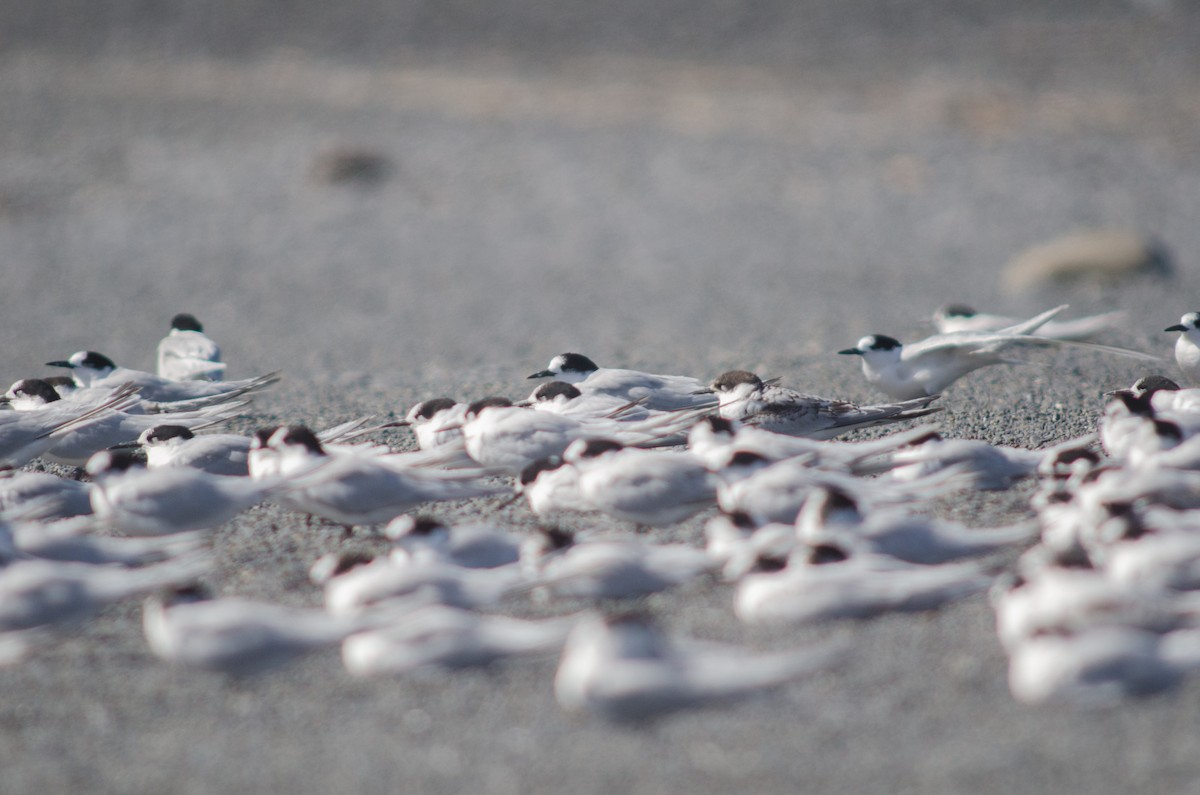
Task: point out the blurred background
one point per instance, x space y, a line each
433 185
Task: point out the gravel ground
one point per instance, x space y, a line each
684 187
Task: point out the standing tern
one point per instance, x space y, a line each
187 353
1187 346
927 367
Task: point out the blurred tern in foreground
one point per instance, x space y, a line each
37 593
187 626
52 497
625 669
650 488
927 367
747 398
1187 346
358 489
141 502
1100 665
91 369
608 568
655 392
187 353
473 546
356 583
449 637
953 318
827 581
831 515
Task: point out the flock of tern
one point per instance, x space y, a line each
1103 600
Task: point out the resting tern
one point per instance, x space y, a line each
1056 600
473 546
833 515
187 353
112 428
437 422
927 367
52 497
448 637
509 438
1100 665
92 369
650 488
355 583
827 581
37 593
655 392
560 397
713 439
170 445
141 502
72 544
625 669
24 435
359 489
952 318
993 467
551 486
775 492
230 635
608 568
1187 346
746 398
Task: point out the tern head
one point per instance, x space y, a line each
406 525
111 462
183 595
957 311
1139 405
875 346
296 437
734 385
493 402
1149 384
634 635
87 364
589 449
426 410
31 393
827 552
1189 322
569 367
746 461
531 472
334 564
261 439
185 322
163 434
832 502
552 390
